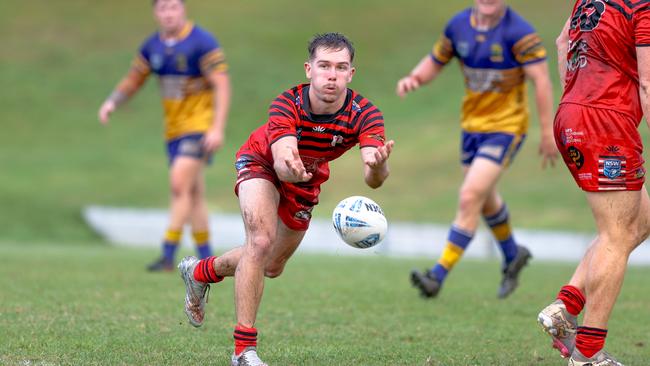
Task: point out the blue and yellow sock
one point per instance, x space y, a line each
170 244
457 242
202 240
500 225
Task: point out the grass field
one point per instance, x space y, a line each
60 60
81 305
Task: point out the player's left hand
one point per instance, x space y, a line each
213 140
548 150
378 158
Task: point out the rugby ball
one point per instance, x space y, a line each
359 222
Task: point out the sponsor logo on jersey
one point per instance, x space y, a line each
319 129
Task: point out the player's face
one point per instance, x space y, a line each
330 71
170 15
489 7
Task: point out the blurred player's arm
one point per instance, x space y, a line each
423 73
213 65
539 74
286 161
127 87
375 163
643 61
562 43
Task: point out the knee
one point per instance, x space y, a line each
468 199
259 247
179 190
274 270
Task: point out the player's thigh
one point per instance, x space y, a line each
258 201
184 172
618 213
482 176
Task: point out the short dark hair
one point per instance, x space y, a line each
334 41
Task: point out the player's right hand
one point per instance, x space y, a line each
406 85
292 170
105 111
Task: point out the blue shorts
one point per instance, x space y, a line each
187 145
499 147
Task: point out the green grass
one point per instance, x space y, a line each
94 305
59 60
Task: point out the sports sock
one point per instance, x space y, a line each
590 340
499 223
244 337
572 298
202 240
457 241
204 271
170 244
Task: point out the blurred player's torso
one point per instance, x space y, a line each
321 138
491 61
182 66
601 61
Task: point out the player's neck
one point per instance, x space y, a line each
484 22
318 106
175 33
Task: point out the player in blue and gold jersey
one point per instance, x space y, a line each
497 51
195 88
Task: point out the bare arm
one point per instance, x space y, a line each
375 164
643 61
286 161
538 73
562 43
423 73
220 82
127 87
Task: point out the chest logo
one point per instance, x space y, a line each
496 53
181 63
156 61
319 129
336 139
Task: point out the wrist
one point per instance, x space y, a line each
117 98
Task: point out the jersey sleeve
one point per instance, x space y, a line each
642 28
527 45
282 117
443 49
372 128
211 58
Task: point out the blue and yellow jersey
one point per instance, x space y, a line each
492 62
182 66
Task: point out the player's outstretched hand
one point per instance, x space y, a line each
105 111
379 157
548 151
406 85
213 140
293 170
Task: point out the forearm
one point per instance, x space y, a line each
127 87
375 177
221 102
426 70
544 101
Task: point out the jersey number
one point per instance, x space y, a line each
588 15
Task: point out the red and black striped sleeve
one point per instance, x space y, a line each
283 116
371 132
641 19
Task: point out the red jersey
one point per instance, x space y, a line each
321 138
601 61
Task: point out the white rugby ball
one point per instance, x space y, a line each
360 222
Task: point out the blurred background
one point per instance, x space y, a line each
59 60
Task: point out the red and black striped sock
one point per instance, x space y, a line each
204 271
590 340
244 337
573 298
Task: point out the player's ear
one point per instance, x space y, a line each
352 71
308 69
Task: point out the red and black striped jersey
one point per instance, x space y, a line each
601 61
321 138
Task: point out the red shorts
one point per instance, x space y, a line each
296 200
601 147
